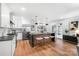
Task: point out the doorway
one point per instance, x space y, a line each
59 31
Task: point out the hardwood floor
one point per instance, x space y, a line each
58 48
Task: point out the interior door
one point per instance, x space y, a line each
54 28
59 31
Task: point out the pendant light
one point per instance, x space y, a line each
46 19
36 20
46 24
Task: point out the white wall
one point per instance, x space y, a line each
19 21
49 27
71 14
65 19
65 23
25 20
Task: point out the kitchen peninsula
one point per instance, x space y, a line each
33 36
7 41
7 45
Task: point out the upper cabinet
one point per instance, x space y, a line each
12 20
17 21
5 15
0 14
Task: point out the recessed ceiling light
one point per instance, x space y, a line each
23 9
61 17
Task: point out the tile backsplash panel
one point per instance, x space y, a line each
3 31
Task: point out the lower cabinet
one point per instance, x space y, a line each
19 36
5 48
13 45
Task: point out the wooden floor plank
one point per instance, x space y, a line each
57 48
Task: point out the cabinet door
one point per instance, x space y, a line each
5 16
13 45
19 36
5 48
0 15
18 22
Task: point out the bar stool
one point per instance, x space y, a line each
39 40
46 38
52 38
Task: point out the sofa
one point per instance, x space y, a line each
71 39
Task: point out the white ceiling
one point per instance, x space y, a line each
52 11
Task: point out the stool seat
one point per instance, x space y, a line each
52 36
39 38
46 37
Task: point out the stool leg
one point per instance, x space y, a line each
53 39
36 42
43 42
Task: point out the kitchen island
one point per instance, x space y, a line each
33 36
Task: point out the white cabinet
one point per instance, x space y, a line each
18 22
19 36
77 49
5 16
13 45
5 48
0 14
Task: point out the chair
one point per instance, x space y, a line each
39 39
52 38
46 38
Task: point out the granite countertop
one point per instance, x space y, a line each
7 38
39 33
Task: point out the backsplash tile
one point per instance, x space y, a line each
3 31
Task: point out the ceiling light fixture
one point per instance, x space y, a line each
36 20
23 9
46 24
